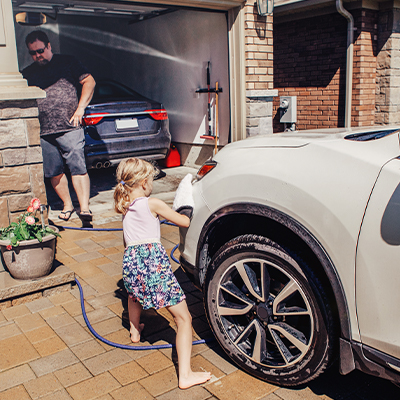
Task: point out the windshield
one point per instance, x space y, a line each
367 136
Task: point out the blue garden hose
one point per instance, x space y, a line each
118 345
164 221
124 346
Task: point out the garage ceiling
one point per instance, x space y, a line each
136 11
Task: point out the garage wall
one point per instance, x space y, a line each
164 58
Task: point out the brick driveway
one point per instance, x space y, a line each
47 352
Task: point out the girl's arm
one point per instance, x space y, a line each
158 207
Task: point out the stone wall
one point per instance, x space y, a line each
21 163
259 111
388 68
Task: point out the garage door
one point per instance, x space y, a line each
160 51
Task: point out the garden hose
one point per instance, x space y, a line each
164 221
94 333
124 346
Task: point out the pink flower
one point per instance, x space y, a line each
35 203
30 209
30 220
9 247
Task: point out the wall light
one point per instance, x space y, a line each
265 7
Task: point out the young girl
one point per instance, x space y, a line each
147 272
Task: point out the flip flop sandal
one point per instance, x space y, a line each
86 217
66 214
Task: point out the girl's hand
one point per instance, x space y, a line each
159 208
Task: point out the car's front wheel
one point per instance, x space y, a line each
268 311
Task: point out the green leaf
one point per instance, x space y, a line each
17 234
38 236
50 231
24 232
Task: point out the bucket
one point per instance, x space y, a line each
172 159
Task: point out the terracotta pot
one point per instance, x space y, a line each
30 259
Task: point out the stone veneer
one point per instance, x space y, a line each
21 162
388 68
259 111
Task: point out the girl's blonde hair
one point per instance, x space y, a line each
130 173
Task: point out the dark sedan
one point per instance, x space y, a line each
120 123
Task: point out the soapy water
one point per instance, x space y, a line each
110 40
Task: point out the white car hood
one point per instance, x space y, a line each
303 138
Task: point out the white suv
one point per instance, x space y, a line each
295 242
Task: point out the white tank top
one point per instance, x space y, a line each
139 224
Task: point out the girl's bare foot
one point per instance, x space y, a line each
194 378
135 333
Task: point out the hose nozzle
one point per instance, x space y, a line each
42 208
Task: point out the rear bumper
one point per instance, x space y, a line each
113 150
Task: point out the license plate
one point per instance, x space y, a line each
126 123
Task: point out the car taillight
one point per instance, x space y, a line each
206 168
158 115
92 119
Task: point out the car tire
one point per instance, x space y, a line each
268 311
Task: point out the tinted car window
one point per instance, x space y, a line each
109 91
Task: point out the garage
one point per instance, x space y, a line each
160 51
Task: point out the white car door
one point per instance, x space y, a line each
378 266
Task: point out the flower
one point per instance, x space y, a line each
35 203
26 228
30 220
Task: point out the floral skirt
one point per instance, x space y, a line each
148 276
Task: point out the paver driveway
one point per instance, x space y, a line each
47 352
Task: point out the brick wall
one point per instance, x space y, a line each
259 71
364 72
258 49
21 170
310 63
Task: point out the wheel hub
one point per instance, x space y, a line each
263 312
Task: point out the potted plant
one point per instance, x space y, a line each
28 248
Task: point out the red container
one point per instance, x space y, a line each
173 158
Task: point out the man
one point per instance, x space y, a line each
60 116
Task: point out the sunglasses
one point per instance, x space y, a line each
39 51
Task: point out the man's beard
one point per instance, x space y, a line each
42 62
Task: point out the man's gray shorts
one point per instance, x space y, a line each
62 149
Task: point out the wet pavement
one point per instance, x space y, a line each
48 353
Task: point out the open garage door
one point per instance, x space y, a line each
159 51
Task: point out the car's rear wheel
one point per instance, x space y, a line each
268 311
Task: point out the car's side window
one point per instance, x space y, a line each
390 226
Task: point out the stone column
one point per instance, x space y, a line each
12 85
21 163
388 67
259 111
